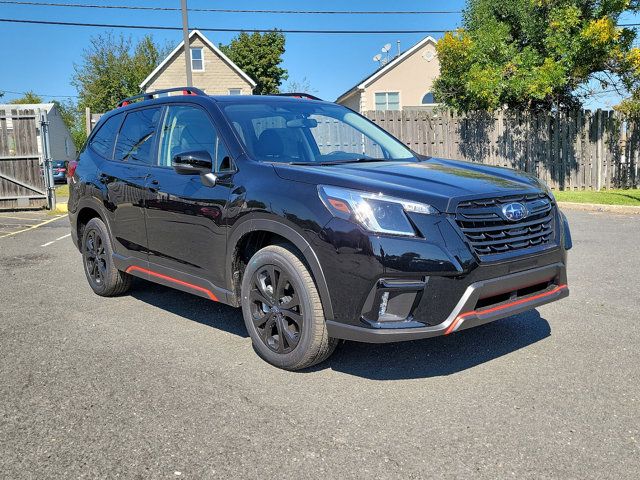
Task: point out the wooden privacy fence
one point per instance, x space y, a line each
575 150
90 119
22 183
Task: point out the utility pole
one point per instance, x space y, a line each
187 47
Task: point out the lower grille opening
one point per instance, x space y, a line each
510 296
523 292
489 301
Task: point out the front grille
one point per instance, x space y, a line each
489 232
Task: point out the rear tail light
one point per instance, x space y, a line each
60 170
71 169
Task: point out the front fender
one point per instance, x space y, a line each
277 227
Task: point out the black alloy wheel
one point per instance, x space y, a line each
275 309
95 257
282 309
103 277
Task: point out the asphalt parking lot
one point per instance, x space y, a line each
162 384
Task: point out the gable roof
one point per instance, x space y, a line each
368 80
28 106
174 53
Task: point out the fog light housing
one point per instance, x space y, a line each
392 301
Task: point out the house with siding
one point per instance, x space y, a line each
212 71
405 82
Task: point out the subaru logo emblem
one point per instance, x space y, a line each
514 211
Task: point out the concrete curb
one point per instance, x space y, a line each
596 207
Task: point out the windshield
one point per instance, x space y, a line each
308 132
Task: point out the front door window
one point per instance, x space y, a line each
188 129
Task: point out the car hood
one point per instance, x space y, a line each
441 183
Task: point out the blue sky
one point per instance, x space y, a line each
43 58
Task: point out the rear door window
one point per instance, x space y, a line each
137 136
104 139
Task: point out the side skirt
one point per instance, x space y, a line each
172 278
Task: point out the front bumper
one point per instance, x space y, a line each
467 314
431 286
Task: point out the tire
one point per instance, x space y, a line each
282 310
103 277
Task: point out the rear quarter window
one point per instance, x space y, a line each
103 141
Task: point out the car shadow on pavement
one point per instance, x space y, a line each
439 356
431 357
191 307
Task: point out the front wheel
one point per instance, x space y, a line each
283 312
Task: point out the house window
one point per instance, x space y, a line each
428 99
388 101
235 91
66 147
197 59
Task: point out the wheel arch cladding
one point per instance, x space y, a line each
274 232
85 215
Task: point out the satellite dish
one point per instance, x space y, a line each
377 58
386 48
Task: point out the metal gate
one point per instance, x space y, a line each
26 179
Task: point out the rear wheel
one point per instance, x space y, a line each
103 277
283 312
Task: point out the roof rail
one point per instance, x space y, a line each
298 95
150 95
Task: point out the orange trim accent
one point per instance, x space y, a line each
458 320
453 325
174 280
339 205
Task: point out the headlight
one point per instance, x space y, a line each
375 212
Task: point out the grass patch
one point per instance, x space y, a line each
604 197
62 191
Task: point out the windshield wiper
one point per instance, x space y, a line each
340 162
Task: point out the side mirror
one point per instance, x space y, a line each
193 163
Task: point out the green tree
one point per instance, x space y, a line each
301 86
112 68
29 97
533 54
260 56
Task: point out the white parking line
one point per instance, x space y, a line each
54 241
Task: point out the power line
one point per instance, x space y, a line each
38 94
600 92
205 29
228 10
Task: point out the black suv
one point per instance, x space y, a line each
313 219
